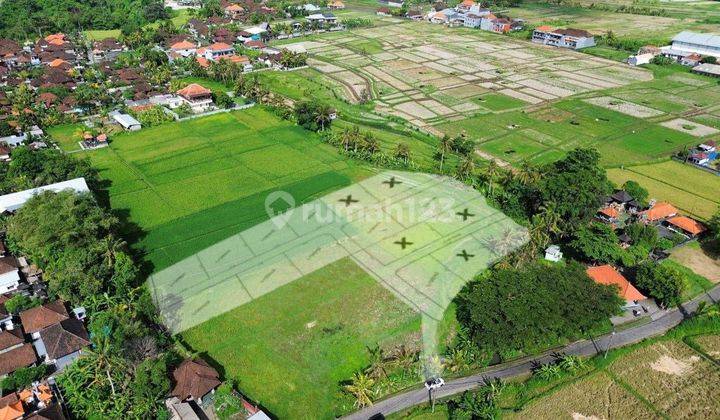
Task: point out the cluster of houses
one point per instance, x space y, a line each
697 50
57 64
620 210
472 15
48 334
54 335
705 155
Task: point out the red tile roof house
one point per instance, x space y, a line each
183 48
685 226
198 97
193 380
657 213
607 275
234 11
58 338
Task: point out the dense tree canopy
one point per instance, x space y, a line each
532 307
30 169
74 241
596 242
576 186
662 282
23 19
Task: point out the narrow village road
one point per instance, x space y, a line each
593 347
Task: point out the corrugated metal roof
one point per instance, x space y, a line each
698 38
707 68
14 201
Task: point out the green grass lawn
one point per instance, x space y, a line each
290 349
189 185
65 136
100 34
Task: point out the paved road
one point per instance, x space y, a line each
581 348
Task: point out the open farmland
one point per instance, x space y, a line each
595 397
517 100
189 185
428 74
664 379
683 15
692 190
674 378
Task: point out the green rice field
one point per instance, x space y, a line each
690 189
189 185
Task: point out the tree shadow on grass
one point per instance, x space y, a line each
131 232
711 248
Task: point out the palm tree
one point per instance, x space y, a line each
323 116
402 152
491 172
527 174
466 168
377 363
361 387
444 147
371 143
550 219
111 246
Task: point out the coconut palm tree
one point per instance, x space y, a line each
371 144
361 387
111 246
491 171
466 168
323 116
444 148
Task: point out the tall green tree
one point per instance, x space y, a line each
660 281
576 186
534 306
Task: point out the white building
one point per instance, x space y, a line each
553 253
11 202
197 97
687 43
9 274
18 139
126 121
640 59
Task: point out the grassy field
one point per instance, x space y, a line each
698 261
688 188
308 83
65 136
682 16
189 185
290 349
